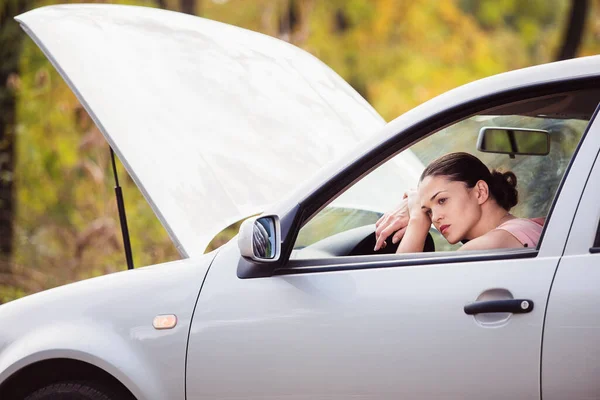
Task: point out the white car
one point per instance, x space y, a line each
215 123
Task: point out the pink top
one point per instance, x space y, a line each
527 231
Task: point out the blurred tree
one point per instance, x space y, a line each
294 21
66 224
396 53
574 31
342 23
10 48
534 23
288 20
191 7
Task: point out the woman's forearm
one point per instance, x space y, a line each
415 235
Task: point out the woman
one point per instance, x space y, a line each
464 201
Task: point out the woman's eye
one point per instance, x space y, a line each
442 200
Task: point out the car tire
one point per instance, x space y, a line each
76 390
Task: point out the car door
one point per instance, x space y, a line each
382 327
571 349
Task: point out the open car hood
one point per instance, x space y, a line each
212 122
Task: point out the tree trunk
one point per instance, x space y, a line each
10 48
191 7
287 20
341 23
574 30
294 21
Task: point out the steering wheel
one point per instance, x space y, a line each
365 246
358 241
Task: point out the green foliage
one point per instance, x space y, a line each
396 53
8 293
66 219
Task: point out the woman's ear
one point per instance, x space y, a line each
482 191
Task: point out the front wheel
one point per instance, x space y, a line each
76 390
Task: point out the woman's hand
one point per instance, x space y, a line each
414 208
395 220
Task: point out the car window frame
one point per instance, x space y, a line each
595 248
309 207
596 244
587 214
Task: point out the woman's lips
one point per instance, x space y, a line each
444 228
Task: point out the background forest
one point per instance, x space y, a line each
58 216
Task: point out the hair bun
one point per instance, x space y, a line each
504 189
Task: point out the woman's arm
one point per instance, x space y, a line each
408 222
417 228
393 222
415 235
496 239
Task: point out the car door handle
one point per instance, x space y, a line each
515 306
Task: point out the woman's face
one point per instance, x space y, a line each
453 208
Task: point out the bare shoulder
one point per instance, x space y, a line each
496 239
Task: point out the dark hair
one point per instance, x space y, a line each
464 167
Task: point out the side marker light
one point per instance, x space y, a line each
164 321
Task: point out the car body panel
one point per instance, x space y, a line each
571 348
203 115
107 322
396 332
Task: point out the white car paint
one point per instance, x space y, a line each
366 334
203 115
571 352
107 322
374 332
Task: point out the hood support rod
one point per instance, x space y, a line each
122 216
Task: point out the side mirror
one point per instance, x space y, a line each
260 238
514 141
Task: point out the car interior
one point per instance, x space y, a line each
534 138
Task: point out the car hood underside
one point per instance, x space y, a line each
212 122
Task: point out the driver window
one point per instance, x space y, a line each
346 225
